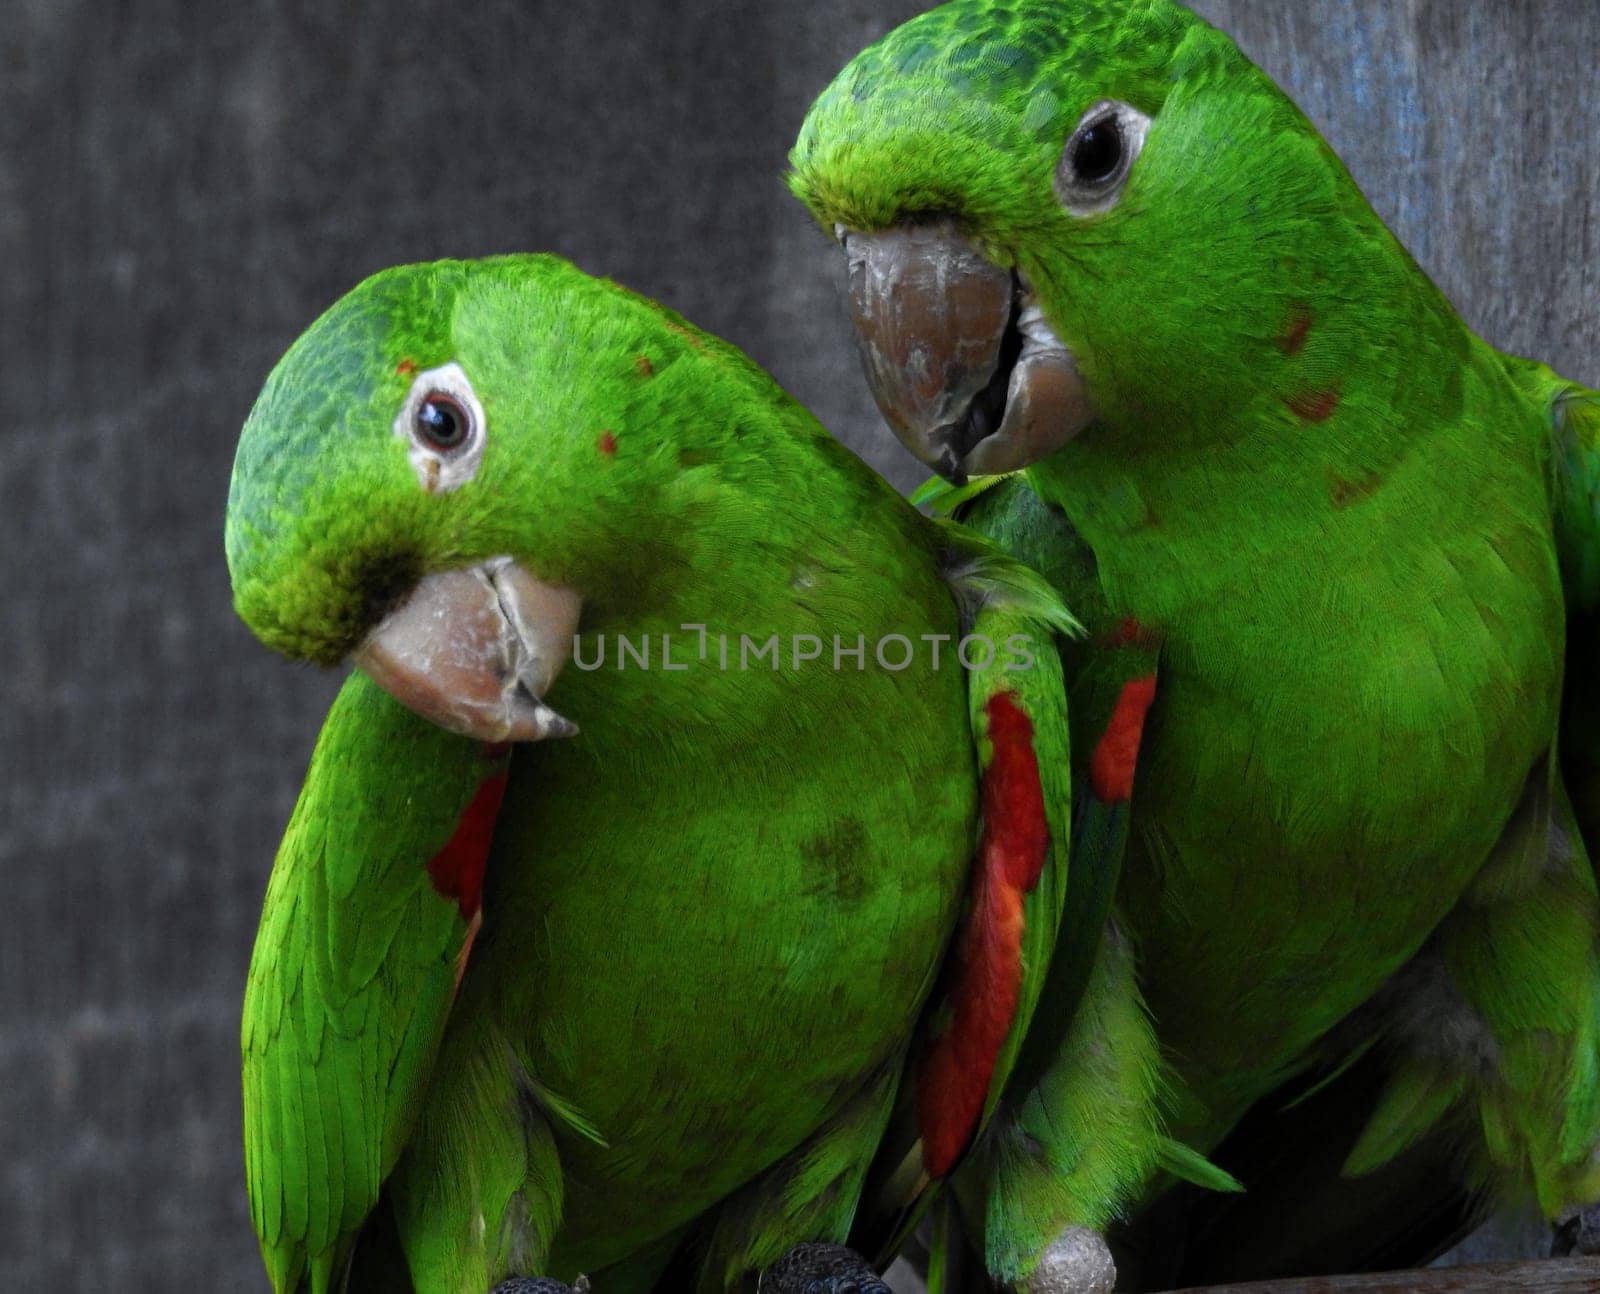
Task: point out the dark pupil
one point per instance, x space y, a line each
1098 152
441 422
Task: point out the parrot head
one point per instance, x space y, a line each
447 466
1073 214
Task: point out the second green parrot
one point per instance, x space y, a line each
1089 242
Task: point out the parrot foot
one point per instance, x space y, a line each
540 1285
822 1269
1577 1234
1078 1261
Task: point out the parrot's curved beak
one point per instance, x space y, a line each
960 359
474 651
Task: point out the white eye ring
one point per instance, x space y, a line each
442 466
1098 157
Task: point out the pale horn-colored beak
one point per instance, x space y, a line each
474 651
962 364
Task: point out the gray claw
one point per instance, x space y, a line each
1078 1261
540 1285
822 1269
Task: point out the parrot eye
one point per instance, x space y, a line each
442 422
1099 154
1097 151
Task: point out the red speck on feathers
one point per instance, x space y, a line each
406 367
1293 338
1129 631
608 443
1314 406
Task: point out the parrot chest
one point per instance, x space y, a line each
1338 739
718 972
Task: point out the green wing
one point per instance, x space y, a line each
1100 667
355 966
1014 605
1110 674
1392 1120
1079 1131
1016 704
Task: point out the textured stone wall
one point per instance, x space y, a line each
184 186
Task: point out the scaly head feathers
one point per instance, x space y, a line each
962 108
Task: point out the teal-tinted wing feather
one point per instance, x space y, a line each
355 965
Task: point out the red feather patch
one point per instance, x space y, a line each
1112 765
457 869
1314 406
1293 338
988 981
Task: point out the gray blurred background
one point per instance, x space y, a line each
183 187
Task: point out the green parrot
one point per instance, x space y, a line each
636 989
1101 264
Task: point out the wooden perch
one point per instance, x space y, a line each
1547 1276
